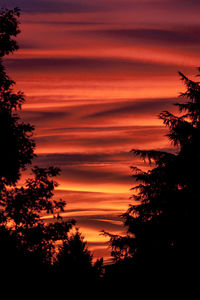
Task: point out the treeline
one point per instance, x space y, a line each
161 244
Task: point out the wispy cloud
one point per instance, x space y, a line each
51 6
88 64
96 75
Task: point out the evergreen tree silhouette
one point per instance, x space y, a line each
162 235
74 261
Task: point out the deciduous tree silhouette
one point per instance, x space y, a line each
9 29
21 207
162 234
17 147
28 244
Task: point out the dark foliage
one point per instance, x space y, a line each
21 207
9 29
17 147
28 244
74 261
162 237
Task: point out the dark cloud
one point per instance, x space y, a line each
98 142
100 222
95 65
131 108
77 141
80 139
84 6
82 64
83 158
137 136
43 116
56 6
64 23
159 36
87 168
99 129
89 197
94 175
27 45
168 8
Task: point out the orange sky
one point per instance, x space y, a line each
96 74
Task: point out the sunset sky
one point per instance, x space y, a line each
96 74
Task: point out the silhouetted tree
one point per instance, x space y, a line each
17 148
9 29
28 244
162 226
21 207
74 261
